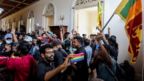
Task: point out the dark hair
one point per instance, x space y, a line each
80 39
83 34
86 42
112 39
66 35
107 36
42 49
24 48
1 38
56 42
43 34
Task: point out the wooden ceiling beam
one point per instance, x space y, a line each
8 5
6 13
9 9
20 2
1 1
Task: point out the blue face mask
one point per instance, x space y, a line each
8 41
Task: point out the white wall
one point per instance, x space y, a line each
92 21
117 28
38 9
82 22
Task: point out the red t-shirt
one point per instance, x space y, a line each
20 65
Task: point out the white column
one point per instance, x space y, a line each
32 24
27 27
18 26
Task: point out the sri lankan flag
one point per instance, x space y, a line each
99 18
131 12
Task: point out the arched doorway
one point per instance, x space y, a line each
85 16
21 25
49 16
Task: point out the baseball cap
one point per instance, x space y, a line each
9 35
28 38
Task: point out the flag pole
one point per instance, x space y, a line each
143 67
108 21
143 54
103 4
142 60
110 18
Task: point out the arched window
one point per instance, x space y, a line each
48 16
21 24
30 22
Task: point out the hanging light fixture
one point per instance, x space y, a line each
1 10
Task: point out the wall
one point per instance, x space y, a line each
117 28
82 22
93 21
38 9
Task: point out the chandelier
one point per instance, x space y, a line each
1 10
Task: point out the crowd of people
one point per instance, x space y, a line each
44 57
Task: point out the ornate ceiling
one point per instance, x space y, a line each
12 6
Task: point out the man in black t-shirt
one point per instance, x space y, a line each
46 68
81 67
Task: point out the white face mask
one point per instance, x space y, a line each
8 41
0 43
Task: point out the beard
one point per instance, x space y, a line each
49 59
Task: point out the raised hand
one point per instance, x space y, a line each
13 31
66 63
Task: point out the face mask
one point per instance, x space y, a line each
0 43
8 41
